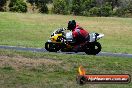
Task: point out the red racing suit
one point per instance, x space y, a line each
80 35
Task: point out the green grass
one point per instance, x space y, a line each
50 70
33 30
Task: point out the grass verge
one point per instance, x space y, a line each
51 70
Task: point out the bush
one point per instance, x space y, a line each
125 10
95 11
106 10
121 12
76 8
40 4
129 7
43 8
60 7
18 6
2 4
85 13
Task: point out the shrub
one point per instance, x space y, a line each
105 10
85 13
43 8
129 7
121 12
76 8
95 11
40 4
18 6
82 7
2 4
60 7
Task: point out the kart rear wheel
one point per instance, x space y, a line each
93 48
51 47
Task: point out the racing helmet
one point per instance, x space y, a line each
71 25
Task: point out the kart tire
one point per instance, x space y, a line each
93 48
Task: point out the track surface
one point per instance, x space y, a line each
81 53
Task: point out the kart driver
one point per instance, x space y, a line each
79 34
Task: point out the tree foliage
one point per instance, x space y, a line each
2 4
60 6
43 7
75 7
17 6
124 8
106 10
95 11
129 7
40 4
94 7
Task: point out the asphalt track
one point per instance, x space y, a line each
80 53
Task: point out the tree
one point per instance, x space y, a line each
130 7
2 4
113 3
43 7
49 1
40 4
76 7
60 6
32 2
95 11
87 5
93 7
124 8
105 10
17 6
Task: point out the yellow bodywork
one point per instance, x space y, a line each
55 37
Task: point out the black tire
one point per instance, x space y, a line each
93 48
51 47
47 46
